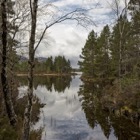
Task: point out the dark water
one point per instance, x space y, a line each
74 111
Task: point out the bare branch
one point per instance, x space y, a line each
78 15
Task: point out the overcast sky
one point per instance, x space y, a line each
67 38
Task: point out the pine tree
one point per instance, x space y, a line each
102 56
57 64
89 55
49 65
61 65
134 7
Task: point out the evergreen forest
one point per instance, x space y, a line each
59 65
110 64
106 91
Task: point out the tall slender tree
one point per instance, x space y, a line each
134 7
88 55
102 56
49 64
77 15
27 114
4 79
119 47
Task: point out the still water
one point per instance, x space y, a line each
72 112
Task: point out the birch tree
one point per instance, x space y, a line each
4 80
11 21
122 22
79 15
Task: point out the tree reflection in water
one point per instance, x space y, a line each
115 113
109 116
59 83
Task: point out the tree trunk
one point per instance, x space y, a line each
28 110
4 80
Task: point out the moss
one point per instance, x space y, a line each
36 134
7 132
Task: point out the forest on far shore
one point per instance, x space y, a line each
58 64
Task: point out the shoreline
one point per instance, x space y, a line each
48 74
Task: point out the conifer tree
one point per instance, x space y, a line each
61 65
102 56
134 7
89 55
49 65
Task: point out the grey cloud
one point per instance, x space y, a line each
74 61
68 39
76 41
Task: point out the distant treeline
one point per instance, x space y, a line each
57 65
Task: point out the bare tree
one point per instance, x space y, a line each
77 15
27 114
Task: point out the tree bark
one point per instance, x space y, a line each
28 110
4 80
80 18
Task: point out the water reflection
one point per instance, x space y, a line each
91 95
77 111
59 83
